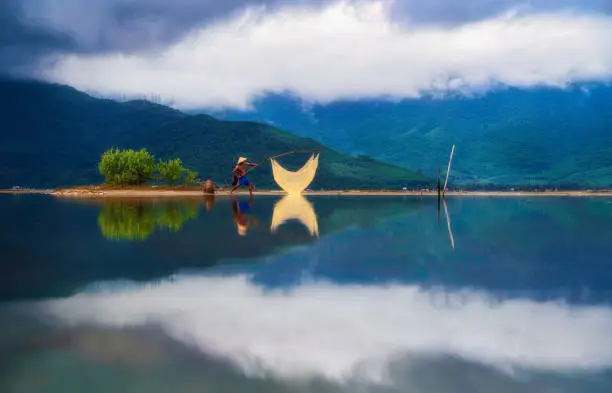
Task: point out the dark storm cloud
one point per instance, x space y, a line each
452 12
33 29
21 45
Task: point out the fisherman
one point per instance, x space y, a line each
240 178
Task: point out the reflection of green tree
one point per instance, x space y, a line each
136 221
127 221
173 216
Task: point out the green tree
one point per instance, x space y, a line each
110 166
141 166
126 167
191 177
171 170
131 167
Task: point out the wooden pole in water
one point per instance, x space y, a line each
449 166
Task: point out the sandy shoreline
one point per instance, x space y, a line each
197 193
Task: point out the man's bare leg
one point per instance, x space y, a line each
234 188
251 189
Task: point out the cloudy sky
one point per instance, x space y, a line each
210 53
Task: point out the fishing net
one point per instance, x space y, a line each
295 207
295 182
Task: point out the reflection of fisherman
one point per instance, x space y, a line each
240 218
240 178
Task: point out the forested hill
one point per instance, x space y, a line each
54 135
511 136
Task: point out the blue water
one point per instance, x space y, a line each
325 294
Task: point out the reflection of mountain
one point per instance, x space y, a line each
208 240
136 220
222 242
544 247
295 207
511 245
364 212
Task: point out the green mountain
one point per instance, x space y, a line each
54 135
509 136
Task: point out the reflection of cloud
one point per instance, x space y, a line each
334 331
117 347
295 207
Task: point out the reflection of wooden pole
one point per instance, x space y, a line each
438 194
449 166
450 231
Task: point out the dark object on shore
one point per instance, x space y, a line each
438 187
208 187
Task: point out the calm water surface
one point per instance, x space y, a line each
325 294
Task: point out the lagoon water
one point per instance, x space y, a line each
325 294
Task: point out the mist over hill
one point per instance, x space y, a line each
509 136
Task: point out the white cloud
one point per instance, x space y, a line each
339 331
351 50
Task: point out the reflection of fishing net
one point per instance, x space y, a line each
295 207
294 182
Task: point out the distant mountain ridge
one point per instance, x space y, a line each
510 136
53 135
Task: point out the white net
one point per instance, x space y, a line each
295 182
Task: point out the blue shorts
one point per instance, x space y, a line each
244 181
